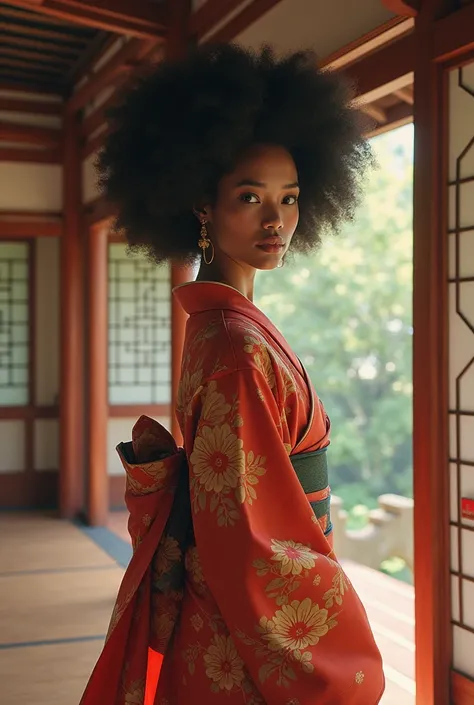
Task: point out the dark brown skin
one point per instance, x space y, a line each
256 205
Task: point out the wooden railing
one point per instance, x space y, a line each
389 532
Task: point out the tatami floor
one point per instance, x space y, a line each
58 583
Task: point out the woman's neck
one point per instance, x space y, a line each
231 273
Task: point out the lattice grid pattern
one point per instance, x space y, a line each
461 350
139 330
14 323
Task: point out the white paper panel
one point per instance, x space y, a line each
467 541
460 118
461 349
90 190
118 431
453 492
12 445
30 187
455 598
463 651
466 205
47 321
46 444
468 589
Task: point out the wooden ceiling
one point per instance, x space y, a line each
43 53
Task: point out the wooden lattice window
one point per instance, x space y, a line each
139 330
14 323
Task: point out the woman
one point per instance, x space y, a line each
234 594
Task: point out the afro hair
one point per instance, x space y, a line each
178 129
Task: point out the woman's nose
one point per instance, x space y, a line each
272 221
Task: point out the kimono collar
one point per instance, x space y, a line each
200 296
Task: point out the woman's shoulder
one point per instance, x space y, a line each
223 342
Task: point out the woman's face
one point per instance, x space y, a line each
256 210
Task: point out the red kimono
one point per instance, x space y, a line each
233 578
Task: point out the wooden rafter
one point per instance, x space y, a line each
39 67
93 121
139 18
31 55
246 17
14 86
20 105
209 15
406 95
42 45
28 134
376 113
384 71
39 32
396 116
120 64
42 156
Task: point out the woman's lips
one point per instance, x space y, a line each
271 249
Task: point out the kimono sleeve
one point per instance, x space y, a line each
296 622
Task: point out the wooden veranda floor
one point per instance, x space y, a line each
58 584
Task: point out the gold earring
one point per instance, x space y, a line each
204 243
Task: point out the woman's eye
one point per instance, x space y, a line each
290 200
249 198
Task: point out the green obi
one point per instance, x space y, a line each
312 472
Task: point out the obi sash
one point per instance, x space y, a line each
312 472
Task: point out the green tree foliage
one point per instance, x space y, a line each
347 312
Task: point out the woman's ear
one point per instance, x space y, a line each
202 213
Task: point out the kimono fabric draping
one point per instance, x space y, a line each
234 594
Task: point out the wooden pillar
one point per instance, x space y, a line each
97 370
430 366
180 11
71 335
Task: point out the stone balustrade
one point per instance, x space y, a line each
389 532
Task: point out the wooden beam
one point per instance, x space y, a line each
120 64
376 39
97 404
454 34
406 95
93 121
29 134
72 381
139 18
433 630
244 19
21 105
34 156
29 228
209 15
376 113
384 71
397 116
